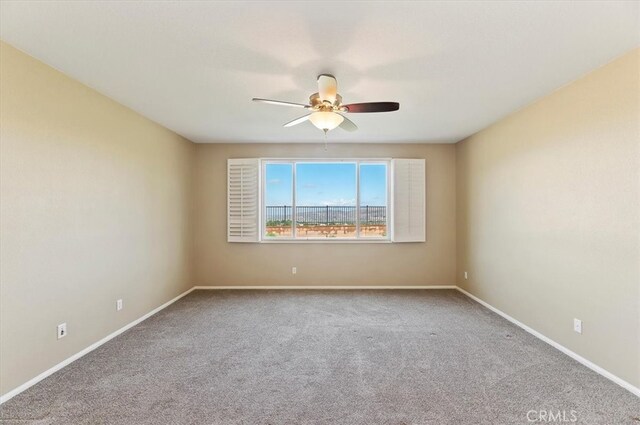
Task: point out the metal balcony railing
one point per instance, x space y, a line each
278 215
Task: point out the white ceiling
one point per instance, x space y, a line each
455 67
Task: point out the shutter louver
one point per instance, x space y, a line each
409 200
243 200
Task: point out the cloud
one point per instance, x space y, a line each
309 186
339 202
274 181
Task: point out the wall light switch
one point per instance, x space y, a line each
466 275
119 305
294 270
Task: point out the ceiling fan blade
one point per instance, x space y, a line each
347 124
297 121
327 87
280 103
372 107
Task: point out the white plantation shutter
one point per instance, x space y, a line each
408 200
243 200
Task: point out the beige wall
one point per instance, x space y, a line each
95 207
548 216
219 263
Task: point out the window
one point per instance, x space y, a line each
278 200
309 200
326 200
373 200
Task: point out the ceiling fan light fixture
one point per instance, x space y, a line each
326 106
326 120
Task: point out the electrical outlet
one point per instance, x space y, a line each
62 330
466 275
294 270
119 305
577 325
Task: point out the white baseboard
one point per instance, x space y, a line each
87 350
587 363
624 384
328 287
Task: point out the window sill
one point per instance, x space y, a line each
325 240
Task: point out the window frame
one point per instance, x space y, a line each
293 239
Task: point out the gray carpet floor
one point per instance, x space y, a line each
323 357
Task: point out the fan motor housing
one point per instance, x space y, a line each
317 104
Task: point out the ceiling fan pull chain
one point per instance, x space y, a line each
325 139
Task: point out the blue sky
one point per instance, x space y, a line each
326 184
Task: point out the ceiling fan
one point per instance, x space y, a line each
326 107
